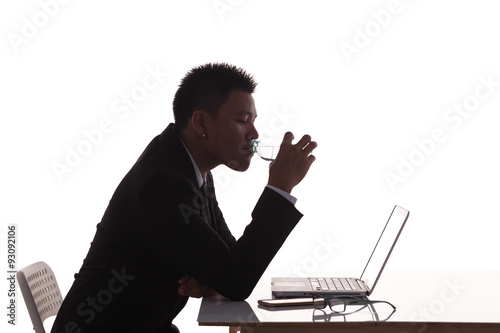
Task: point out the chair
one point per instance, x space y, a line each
41 293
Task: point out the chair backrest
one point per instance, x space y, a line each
41 293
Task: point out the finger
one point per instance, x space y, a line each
310 147
192 283
187 285
288 138
197 291
201 291
304 141
192 292
185 279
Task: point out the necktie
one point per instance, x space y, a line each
204 209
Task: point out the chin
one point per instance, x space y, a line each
239 165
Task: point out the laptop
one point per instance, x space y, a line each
363 286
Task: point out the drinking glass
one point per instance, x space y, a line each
266 148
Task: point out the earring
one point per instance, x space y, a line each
204 136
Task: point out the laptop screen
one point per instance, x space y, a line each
384 246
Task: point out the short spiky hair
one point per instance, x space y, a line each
207 87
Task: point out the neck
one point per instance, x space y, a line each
197 148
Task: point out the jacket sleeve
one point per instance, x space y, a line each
178 234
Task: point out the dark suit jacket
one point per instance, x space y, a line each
153 233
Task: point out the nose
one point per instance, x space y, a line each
254 134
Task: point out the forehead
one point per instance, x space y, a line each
239 103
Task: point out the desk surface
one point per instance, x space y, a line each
430 301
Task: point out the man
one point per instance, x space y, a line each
163 238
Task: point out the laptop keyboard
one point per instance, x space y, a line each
334 284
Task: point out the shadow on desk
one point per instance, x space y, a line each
228 313
440 302
241 317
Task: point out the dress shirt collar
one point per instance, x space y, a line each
199 177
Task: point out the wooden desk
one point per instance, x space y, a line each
462 301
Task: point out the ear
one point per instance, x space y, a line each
198 120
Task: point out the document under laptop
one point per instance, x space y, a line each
363 286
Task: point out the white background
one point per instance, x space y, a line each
64 75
